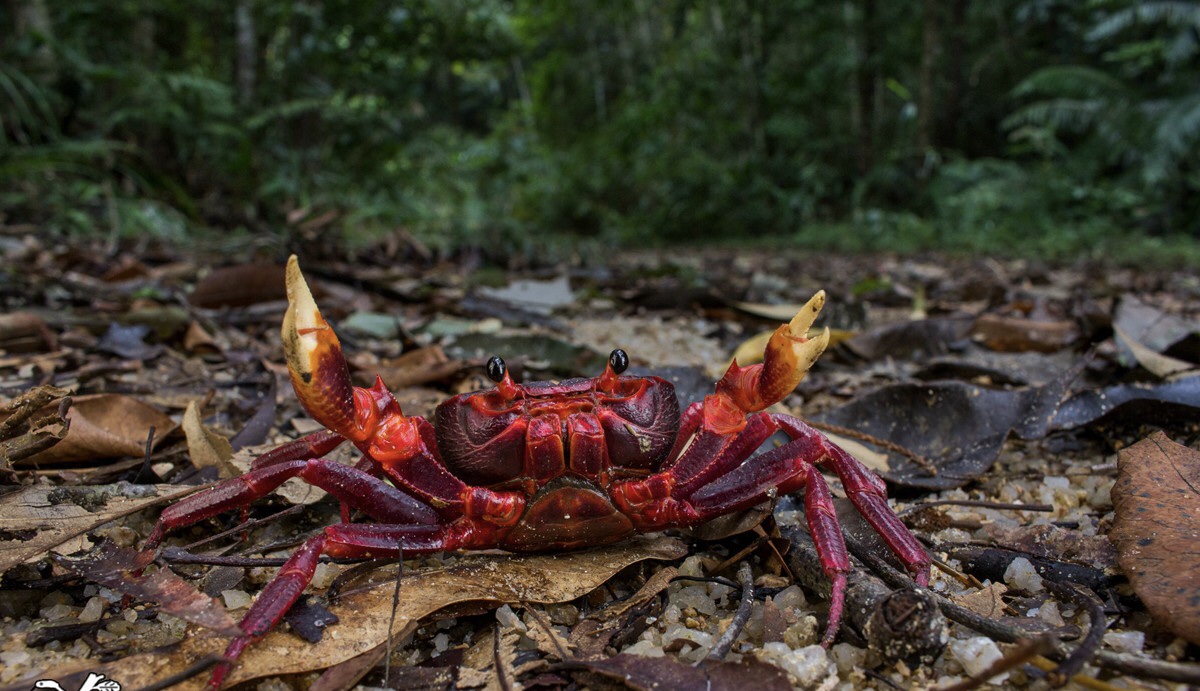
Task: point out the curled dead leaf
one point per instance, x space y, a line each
1156 505
206 448
106 426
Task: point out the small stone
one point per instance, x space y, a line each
791 597
848 658
57 612
1022 575
976 655
509 620
236 599
809 667
645 648
441 642
93 610
1049 613
1125 641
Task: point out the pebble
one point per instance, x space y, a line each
1125 641
976 655
809 667
93 610
236 599
1022 575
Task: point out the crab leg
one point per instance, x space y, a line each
868 493
346 540
312 445
354 488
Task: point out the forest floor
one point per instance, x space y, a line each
1036 424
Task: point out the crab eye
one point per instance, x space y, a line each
618 361
495 369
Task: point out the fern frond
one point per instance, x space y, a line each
1071 81
1175 13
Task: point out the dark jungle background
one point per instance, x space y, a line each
1053 128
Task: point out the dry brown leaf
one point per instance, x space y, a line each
1156 504
413 368
24 332
987 601
36 519
197 340
106 426
206 448
120 569
365 612
239 286
1162 366
1021 334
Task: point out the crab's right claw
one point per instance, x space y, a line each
315 361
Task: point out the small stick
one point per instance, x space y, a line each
1095 636
978 503
916 458
721 648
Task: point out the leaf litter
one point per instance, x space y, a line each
1023 455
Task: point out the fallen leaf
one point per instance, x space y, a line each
1132 404
1021 334
413 368
958 427
240 286
987 602
36 519
197 340
106 426
128 342
921 338
1156 507
365 612
115 567
24 332
1160 365
206 448
652 673
1150 326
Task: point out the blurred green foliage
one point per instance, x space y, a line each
1047 127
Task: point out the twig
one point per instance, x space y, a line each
721 648
1087 648
178 555
387 661
247 525
1024 652
916 458
978 503
503 677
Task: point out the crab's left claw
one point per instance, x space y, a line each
318 368
789 355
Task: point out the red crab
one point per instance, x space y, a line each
544 465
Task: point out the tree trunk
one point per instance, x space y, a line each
32 18
247 52
866 81
950 132
925 98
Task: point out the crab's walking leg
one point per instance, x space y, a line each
312 445
868 493
353 540
353 487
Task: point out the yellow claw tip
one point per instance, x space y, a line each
804 319
300 320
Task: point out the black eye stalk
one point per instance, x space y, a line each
618 361
496 369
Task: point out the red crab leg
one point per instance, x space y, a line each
313 445
346 540
868 493
353 487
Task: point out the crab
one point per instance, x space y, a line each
544 466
